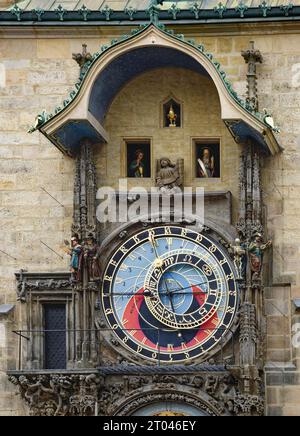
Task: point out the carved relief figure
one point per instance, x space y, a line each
256 250
169 176
91 258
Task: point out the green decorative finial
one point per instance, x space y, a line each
84 11
154 11
107 11
286 9
130 12
82 59
265 7
39 13
220 9
60 12
17 12
196 9
174 11
242 8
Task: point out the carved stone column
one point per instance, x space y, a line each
250 217
84 225
248 334
249 226
252 56
84 215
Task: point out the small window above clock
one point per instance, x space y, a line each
172 113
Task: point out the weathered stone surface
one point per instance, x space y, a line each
2 335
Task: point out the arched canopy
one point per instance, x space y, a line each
83 113
130 65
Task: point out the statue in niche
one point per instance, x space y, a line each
256 249
172 113
169 176
206 163
75 250
172 117
91 258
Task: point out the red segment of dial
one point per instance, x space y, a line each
207 328
131 316
199 295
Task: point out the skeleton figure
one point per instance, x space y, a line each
239 254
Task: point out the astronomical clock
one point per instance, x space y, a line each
170 294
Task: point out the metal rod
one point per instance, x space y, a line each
55 199
125 294
51 249
19 333
6 254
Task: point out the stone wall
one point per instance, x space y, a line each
10 402
5 4
39 74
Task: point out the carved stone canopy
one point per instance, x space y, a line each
85 109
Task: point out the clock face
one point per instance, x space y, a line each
170 294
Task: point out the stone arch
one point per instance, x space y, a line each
206 405
150 47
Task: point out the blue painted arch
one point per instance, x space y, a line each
130 65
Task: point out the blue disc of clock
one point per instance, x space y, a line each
175 289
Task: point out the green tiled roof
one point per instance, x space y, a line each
120 5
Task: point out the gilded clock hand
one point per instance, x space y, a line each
158 262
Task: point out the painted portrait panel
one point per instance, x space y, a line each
208 160
138 157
